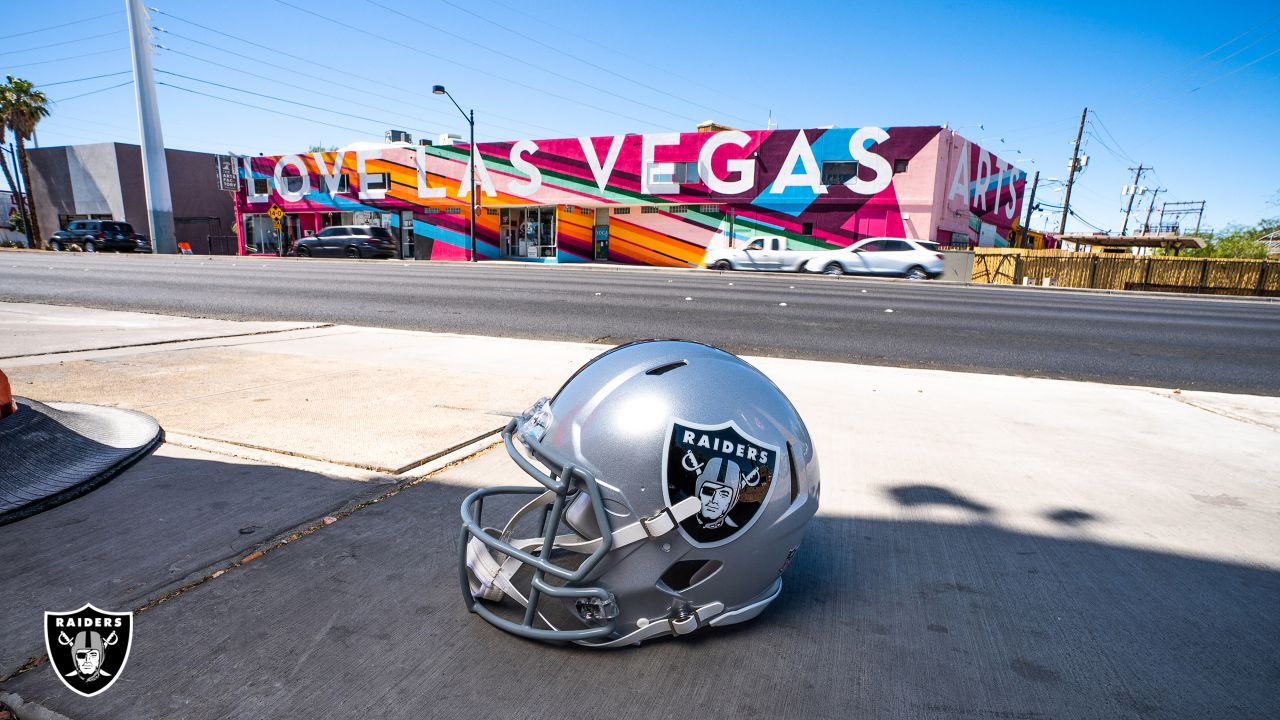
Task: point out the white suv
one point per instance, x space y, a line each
914 259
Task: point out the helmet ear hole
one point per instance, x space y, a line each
685 574
580 517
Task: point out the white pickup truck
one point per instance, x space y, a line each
767 252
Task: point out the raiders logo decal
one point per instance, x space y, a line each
730 471
88 647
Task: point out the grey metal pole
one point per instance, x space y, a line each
471 118
155 171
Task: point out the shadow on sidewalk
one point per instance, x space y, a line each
878 619
174 513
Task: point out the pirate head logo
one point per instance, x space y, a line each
88 647
729 471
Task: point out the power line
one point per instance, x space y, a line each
61 25
1077 216
288 102
1205 56
69 57
259 107
1233 72
309 61
581 60
91 77
62 117
611 48
1221 60
64 42
526 62
441 58
95 92
1107 130
197 58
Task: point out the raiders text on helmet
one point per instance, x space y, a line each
675 482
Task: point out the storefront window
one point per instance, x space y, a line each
528 232
261 236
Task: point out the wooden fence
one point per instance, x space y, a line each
1209 276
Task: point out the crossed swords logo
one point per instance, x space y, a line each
690 463
107 642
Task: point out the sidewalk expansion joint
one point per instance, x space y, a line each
153 343
1224 413
446 451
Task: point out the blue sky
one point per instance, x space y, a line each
1194 94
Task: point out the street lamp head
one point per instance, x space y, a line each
437 89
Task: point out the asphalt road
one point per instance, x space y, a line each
1193 343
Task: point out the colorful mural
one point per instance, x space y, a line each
659 199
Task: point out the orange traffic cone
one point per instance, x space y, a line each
7 405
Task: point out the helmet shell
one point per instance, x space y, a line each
622 416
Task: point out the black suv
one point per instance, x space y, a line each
100 235
353 241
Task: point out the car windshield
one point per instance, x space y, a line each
119 227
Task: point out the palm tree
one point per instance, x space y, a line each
8 176
22 107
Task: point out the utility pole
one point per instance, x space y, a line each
155 170
1026 226
1134 193
1146 224
1071 173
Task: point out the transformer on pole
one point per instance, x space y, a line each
155 170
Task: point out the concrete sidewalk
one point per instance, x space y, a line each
988 546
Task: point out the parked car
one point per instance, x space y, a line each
353 241
759 253
99 236
914 259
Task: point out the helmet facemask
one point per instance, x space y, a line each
494 563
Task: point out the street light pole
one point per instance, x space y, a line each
470 117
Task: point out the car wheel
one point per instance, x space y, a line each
304 251
915 272
833 269
353 252
721 265
90 247
56 246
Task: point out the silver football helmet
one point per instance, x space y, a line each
675 482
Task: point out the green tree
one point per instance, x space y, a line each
22 107
1236 241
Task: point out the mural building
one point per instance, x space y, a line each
652 199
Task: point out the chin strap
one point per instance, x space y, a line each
664 626
491 572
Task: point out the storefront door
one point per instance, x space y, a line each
600 235
406 234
